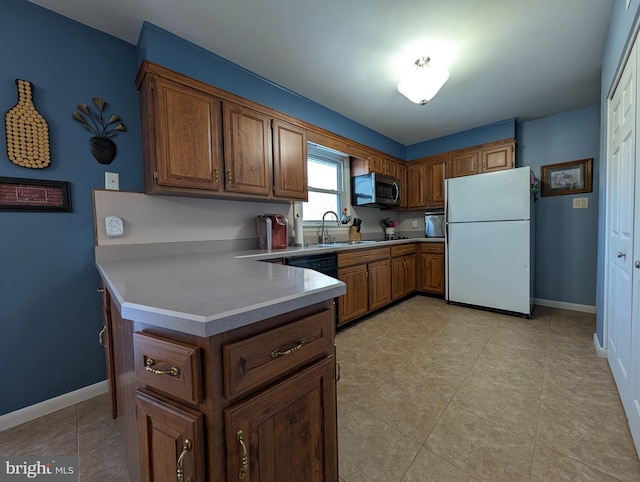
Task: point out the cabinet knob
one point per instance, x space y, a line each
101 336
230 177
279 353
620 254
637 264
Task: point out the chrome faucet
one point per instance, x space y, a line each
324 236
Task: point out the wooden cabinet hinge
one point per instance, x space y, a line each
155 175
152 85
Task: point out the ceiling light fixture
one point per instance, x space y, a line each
424 83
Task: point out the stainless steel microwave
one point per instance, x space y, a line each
375 190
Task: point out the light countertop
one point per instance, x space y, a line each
192 288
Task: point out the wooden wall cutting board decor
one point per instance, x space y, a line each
27 131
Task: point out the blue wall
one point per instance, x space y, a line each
480 135
566 238
168 50
49 309
618 37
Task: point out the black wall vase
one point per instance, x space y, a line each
103 149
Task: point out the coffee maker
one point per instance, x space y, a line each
272 231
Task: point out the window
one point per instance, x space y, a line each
326 174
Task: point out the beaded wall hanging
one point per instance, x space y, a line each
27 131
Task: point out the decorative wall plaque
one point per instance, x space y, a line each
27 131
18 194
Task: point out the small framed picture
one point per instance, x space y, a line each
567 178
18 194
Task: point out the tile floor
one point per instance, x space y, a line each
432 392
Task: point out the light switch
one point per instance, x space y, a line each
580 202
112 181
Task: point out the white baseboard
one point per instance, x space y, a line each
601 352
565 306
32 412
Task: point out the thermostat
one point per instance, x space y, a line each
114 226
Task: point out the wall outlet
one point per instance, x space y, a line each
112 181
414 224
580 202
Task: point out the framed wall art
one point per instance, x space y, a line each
18 194
572 177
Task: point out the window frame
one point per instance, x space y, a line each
331 156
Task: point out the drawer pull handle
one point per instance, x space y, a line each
101 336
277 353
186 447
244 465
173 371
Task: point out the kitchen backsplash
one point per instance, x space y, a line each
165 219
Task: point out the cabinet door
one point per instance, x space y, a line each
377 164
436 174
187 128
432 273
390 168
398 286
289 161
498 158
171 439
401 174
410 273
247 150
416 183
287 432
464 163
379 284
355 302
106 340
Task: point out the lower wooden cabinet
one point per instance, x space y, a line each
282 433
403 271
171 440
260 398
367 274
432 268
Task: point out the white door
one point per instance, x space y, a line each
488 264
621 164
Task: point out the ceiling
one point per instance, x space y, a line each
507 58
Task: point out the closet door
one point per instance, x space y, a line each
622 152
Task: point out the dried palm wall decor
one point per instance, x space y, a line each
27 131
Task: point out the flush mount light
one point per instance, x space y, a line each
424 83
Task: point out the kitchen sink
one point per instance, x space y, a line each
343 243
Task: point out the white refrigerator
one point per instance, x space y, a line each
489 240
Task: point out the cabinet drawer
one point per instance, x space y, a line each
403 250
360 256
432 248
259 360
169 366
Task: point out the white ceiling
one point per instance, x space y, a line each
507 58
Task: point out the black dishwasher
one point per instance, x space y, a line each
326 263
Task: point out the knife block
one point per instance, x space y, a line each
354 235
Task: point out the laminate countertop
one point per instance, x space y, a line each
192 288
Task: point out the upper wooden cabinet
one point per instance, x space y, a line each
373 163
498 158
495 156
247 150
437 171
183 140
401 174
465 163
416 185
289 174
202 141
